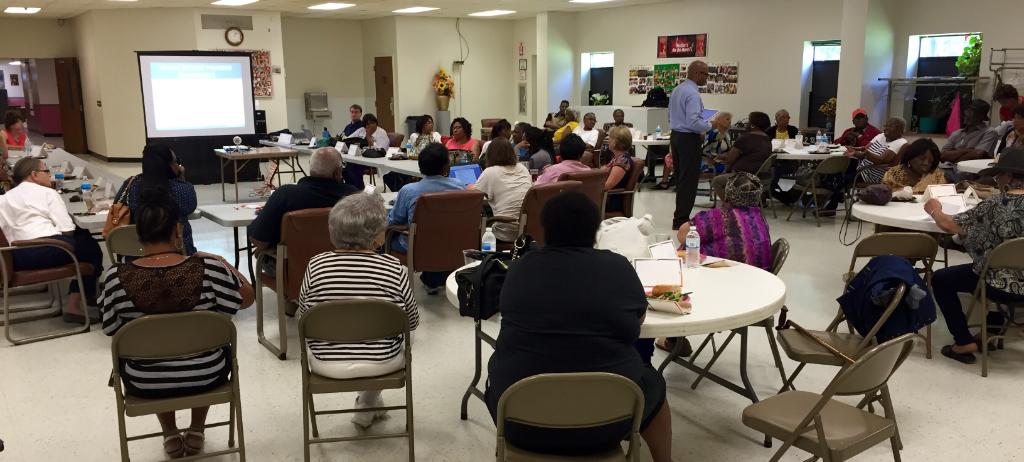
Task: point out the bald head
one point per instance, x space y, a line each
325 163
698 72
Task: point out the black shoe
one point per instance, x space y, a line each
75 318
966 358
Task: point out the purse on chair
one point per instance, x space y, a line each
120 213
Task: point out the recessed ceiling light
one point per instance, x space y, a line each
22 10
15 63
330 6
492 13
415 9
588 1
233 2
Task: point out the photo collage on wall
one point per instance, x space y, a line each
723 78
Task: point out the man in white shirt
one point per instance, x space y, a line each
587 132
34 210
376 138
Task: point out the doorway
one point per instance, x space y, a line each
72 108
824 81
384 79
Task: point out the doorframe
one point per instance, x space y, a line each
389 125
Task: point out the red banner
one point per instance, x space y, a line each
683 46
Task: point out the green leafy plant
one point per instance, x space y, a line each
970 61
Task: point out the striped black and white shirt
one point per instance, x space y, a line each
128 291
352 275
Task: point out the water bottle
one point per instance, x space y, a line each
489 243
28 145
821 138
409 150
692 248
657 132
87 193
58 178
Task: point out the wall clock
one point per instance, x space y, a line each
234 36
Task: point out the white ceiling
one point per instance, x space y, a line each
363 9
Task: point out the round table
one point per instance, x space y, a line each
806 154
973 166
646 142
717 305
903 215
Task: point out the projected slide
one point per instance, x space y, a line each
197 95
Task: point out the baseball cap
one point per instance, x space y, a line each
859 111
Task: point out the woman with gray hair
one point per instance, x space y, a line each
354 270
883 151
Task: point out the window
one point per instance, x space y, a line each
826 51
602 60
939 46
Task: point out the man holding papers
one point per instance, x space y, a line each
687 120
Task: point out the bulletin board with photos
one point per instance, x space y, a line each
723 78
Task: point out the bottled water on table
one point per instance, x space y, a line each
657 132
58 178
87 193
692 248
821 138
489 243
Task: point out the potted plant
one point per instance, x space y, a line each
969 62
444 88
828 108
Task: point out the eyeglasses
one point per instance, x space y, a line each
43 170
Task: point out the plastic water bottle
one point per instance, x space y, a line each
87 193
409 150
28 145
692 248
821 138
58 178
489 243
657 132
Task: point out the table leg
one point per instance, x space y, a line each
472 390
295 162
223 192
237 168
235 229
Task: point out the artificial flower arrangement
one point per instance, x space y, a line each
443 83
828 108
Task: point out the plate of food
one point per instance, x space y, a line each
669 299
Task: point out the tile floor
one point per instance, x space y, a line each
55 405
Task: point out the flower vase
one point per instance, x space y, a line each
442 102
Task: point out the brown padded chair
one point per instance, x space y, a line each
628 191
445 224
573 400
485 128
13 279
354 321
395 139
177 335
833 430
304 234
533 204
592 184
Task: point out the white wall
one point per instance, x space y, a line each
766 40
13 91
307 70
485 84
36 38
562 57
46 81
266 35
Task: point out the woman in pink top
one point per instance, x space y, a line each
462 138
571 149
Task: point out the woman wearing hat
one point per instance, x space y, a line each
995 220
861 133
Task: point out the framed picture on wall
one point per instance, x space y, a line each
14 80
522 64
522 98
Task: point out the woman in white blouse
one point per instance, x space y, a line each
505 182
34 210
425 133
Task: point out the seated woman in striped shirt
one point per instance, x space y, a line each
165 281
356 271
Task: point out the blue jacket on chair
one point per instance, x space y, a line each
871 291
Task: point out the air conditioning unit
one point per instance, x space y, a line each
316 106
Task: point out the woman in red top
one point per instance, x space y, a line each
14 135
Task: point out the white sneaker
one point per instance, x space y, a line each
366 419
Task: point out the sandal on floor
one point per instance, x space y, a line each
662 186
192 436
174 451
966 358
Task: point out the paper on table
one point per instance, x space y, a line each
353 150
653 272
78 171
250 206
36 151
663 250
285 138
392 151
340 147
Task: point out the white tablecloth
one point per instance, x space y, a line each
903 215
973 166
717 304
240 215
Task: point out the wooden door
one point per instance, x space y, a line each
384 80
72 108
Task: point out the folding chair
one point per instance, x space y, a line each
123 241
353 321
830 429
50 277
574 400
764 173
814 190
177 335
1008 256
304 234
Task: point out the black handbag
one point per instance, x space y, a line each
374 153
480 286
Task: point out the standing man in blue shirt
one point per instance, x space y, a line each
686 117
433 163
